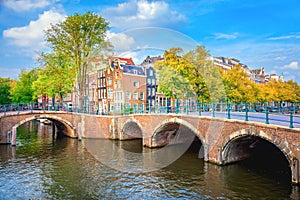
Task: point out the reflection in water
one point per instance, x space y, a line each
45 167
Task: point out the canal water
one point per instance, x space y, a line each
46 166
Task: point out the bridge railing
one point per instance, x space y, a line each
285 116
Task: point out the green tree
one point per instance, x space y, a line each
5 91
23 92
171 83
198 71
57 78
79 37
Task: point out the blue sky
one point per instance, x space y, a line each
258 33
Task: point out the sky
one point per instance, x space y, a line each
259 33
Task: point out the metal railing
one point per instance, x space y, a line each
285 116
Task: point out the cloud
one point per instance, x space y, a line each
225 36
120 41
293 65
32 35
286 37
143 13
26 5
280 58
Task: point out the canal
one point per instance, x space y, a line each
44 165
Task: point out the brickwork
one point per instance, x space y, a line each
219 137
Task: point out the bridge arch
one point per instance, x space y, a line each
69 129
232 140
239 145
168 129
131 129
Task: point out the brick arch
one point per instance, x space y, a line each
287 152
70 128
133 131
178 121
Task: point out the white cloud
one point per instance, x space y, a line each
286 37
293 65
120 41
31 36
143 13
226 36
26 5
280 58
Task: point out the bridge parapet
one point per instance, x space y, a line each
224 140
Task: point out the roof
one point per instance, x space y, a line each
133 69
127 61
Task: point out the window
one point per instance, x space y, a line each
104 94
134 71
149 81
142 107
136 84
127 95
151 72
153 81
109 81
141 95
135 95
119 84
110 93
149 92
153 91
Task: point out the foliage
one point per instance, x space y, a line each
239 88
171 83
282 91
23 92
5 85
78 38
295 89
57 78
196 70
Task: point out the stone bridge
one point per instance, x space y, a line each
224 141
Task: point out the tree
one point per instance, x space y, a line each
198 71
171 83
57 78
295 91
4 91
238 86
78 38
23 92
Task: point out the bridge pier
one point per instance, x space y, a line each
13 136
295 171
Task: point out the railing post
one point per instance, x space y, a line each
199 107
247 110
213 109
176 106
291 118
228 110
186 107
166 106
267 115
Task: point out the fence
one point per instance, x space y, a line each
259 112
